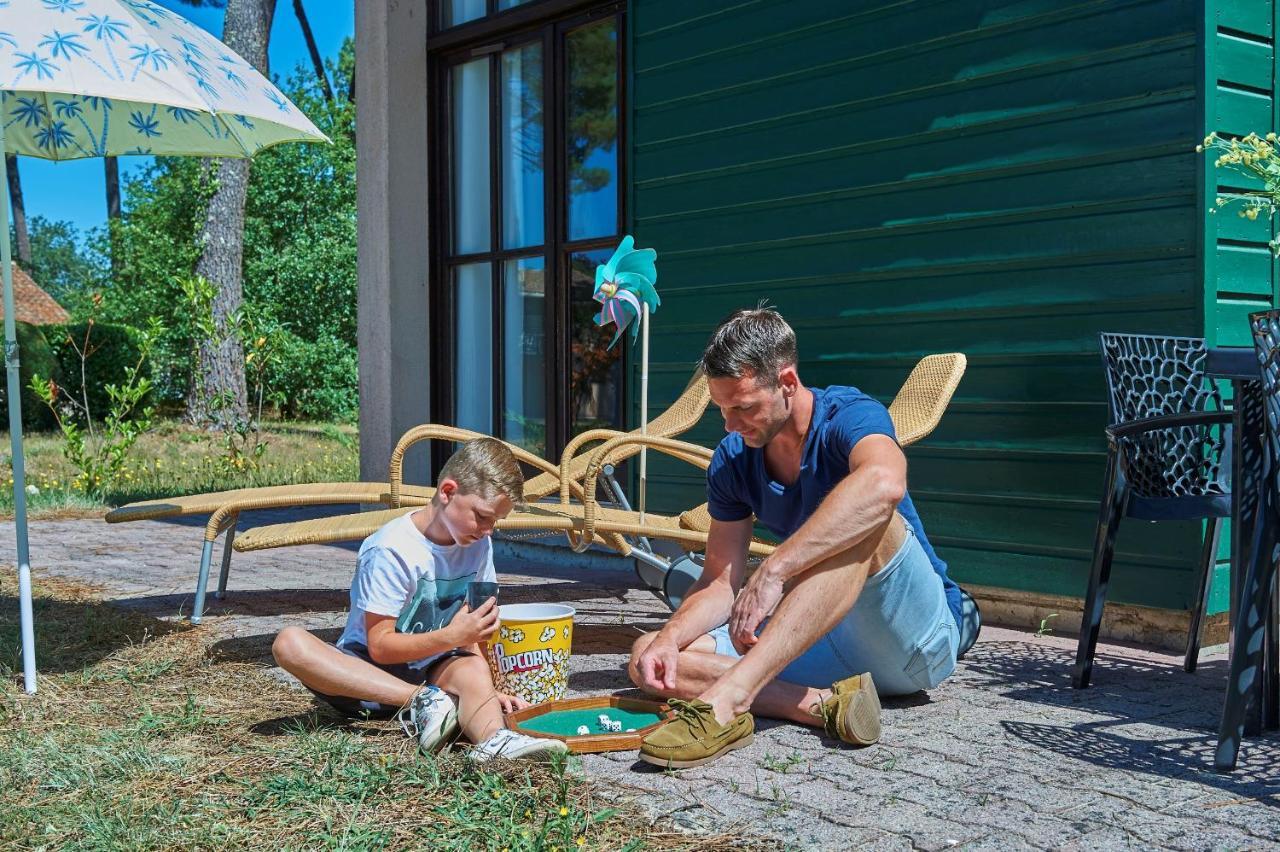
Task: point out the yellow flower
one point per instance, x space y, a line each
497 795
581 841
564 812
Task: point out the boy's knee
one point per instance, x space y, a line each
288 645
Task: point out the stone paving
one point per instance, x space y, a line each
1003 755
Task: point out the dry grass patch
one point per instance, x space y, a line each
142 737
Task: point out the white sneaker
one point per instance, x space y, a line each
506 743
431 716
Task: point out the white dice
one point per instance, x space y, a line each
583 730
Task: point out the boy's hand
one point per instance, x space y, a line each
511 703
473 628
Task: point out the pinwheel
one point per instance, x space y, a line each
625 291
624 288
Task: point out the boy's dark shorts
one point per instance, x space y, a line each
356 708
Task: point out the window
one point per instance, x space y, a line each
528 200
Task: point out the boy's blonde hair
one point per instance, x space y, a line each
485 467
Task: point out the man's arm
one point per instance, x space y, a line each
706 607
708 602
860 504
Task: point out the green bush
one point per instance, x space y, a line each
35 358
316 380
114 348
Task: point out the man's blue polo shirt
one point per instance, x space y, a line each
738 484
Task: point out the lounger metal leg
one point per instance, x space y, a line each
1208 561
1243 687
226 563
1109 514
202 582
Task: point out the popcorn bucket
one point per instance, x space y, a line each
529 654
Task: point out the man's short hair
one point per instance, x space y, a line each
750 342
485 467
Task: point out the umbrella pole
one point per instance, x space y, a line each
15 436
644 404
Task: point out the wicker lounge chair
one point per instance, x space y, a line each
224 507
915 411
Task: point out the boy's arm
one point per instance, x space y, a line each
388 647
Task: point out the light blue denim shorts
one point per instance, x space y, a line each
900 629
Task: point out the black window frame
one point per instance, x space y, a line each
548 21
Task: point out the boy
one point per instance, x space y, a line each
375 671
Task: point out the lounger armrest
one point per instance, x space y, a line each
1169 421
437 432
683 450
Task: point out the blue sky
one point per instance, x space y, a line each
74 190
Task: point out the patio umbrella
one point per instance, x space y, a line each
93 78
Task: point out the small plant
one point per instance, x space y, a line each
1044 624
1256 157
782 764
100 450
240 438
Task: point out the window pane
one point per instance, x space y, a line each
460 11
522 169
473 333
471 156
524 389
510 4
592 130
595 372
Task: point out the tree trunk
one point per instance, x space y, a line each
21 237
112 168
224 399
312 49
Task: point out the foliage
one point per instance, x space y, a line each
99 450
36 358
299 241
314 379
1258 159
63 264
111 348
241 438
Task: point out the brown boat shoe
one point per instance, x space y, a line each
852 713
694 737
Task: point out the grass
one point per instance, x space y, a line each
177 459
143 736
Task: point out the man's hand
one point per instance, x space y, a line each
511 703
756 600
657 666
473 628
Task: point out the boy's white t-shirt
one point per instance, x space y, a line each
391 562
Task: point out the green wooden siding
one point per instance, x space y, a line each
1239 84
999 177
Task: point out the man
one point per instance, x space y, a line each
853 598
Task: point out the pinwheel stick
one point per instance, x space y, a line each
644 402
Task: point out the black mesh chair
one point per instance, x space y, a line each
1168 459
1255 596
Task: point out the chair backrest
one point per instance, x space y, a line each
1154 376
1266 342
925 395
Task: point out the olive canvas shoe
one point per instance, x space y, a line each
852 713
694 737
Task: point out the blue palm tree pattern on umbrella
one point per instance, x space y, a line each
209 96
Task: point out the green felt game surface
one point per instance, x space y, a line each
565 723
